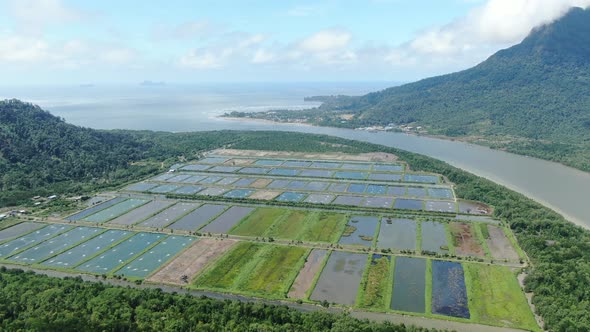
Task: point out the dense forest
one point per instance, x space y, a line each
30 302
559 251
532 98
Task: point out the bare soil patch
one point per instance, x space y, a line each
499 244
191 261
265 194
305 277
465 240
261 183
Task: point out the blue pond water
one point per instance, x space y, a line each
449 296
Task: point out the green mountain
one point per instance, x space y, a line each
532 98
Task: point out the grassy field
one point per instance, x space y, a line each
496 298
275 271
257 223
290 226
228 268
327 227
375 289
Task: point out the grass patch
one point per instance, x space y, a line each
290 226
326 227
258 222
374 289
348 230
485 232
428 288
228 268
276 269
496 298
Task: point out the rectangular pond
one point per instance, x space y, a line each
227 181
268 162
169 215
163 177
95 208
421 178
449 295
398 234
284 171
351 175
115 210
356 188
254 170
224 169
157 256
198 218
329 165
338 187
142 186
378 202
244 182
213 160
409 285
290 197
361 167
316 173
53 246
107 261
388 168
349 200
376 189
10 247
228 219
297 185
19 229
195 167
238 193
441 206
194 179
440 193
212 191
416 192
83 251
188 190
360 230
165 188
278 184
434 237
319 198
179 178
396 191
317 186
296 163
141 213
340 280
210 179
408 204
385 177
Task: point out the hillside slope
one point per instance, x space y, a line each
532 98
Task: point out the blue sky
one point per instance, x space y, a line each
72 42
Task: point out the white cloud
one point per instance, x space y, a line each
326 40
32 16
201 59
495 23
263 56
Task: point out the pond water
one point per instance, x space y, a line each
409 284
340 279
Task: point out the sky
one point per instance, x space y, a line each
186 41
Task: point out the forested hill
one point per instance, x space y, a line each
41 154
532 98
